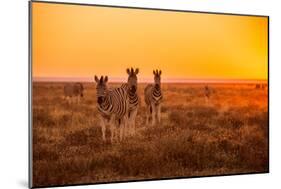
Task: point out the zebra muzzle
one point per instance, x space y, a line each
100 100
133 89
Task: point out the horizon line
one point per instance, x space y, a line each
148 80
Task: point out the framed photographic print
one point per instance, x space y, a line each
120 94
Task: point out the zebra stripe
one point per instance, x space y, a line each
115 102
133 98
153 95
153 98
112 106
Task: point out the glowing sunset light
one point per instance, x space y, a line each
83 41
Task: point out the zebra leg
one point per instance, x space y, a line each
153 114
121 131
127 128
67 99
129 124
206 100
133 121
112 127
102 123
159 113
134 126
116 130
111 132
126 123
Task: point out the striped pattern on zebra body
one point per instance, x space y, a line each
153 98
131 88
113 107
133 99
114 103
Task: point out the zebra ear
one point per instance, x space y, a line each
128 71
160 72
96 79
137 71
154 72
105 79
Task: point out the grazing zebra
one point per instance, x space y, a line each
112 106
73 90
131 88
153 98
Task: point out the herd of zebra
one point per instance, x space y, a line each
118 107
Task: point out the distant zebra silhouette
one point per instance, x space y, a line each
207 92
258 86
72 90
261 86
264 86
153 98
131 88
113 107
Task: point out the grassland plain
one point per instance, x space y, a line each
226 135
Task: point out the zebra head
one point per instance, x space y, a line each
157 78
132 79
101 88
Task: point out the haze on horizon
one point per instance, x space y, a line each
82 41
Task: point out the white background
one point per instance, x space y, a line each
14 92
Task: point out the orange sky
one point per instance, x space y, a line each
81 41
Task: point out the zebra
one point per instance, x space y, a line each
153 98
73 90
112 106
264 86
258 86
207 93
131 88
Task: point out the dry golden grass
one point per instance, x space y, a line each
227 135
